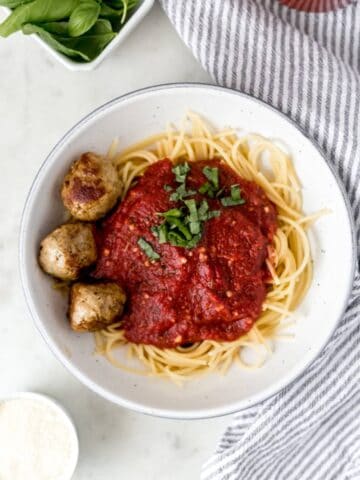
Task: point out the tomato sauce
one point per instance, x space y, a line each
212 291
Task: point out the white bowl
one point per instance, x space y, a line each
131 118
66 418
139 13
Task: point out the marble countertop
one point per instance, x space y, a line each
39 101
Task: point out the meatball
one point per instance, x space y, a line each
91 187
67 250
93 307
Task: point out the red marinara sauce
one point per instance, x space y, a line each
212 291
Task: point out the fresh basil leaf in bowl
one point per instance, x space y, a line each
62 28
37 11
84 48
83 17
13 3
79 29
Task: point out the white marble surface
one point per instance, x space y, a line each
39 101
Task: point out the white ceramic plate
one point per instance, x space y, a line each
130 118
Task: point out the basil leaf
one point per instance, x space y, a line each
202 210
176 222
13 3
160 232
235 192
121 3
212 174
195 227
167 188
181 193
181 171
60 28
148 249
173 212
83 17
194 241
36 12
191 205
213 214
229 202
208 189
85 48
177 240
53 42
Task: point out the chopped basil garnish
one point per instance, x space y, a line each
234 199
181 171
195 227
211 187
193 213
181 193
212 174
183 226
173 212
208 189
179 224
148 249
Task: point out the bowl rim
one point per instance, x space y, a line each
48 400
134 405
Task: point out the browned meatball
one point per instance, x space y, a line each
93 307
67 250
91 187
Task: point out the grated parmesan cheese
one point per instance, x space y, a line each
36 441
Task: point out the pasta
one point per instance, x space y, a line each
289 260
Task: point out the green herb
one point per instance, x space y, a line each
208 189
117 9
148 249
181 193
204 214
195 227
173 212
177 240
182 226
62 28
212 174
37 11
86 48
13 3
167 188
160 231
181 171
179 224
79 29
213 214
212 186
193 212
234 199
203 209
83 17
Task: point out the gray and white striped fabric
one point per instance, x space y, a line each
308 66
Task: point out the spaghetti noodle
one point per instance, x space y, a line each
256 159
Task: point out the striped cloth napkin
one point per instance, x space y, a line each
307 66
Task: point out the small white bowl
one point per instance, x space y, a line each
139 13
48 401
131 118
